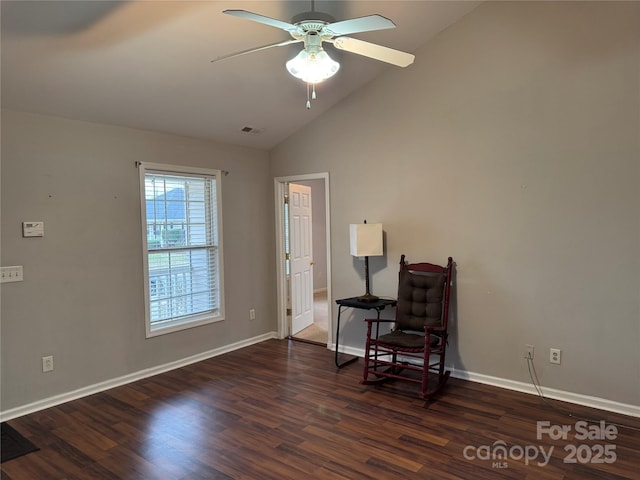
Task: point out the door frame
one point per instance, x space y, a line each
280 188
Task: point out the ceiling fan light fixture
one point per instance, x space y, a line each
312 66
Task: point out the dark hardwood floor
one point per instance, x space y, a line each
281 410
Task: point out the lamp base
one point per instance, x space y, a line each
368 298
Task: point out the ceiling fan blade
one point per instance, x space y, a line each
257 49
362 24
254 17
371 50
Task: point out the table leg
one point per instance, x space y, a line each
351 360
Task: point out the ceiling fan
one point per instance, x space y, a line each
313 64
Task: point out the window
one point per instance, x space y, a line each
182 247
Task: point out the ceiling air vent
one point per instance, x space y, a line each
251 130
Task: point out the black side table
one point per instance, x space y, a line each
353 302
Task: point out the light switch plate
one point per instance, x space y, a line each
11 274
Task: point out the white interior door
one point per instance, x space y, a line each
301 257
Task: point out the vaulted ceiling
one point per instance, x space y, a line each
147 64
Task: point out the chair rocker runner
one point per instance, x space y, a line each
415 348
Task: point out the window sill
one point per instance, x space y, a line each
183 324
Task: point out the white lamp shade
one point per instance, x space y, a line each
366 239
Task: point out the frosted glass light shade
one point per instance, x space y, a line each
366 239
312 67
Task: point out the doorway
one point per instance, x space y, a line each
314 294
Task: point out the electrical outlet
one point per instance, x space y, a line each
47 363
252 314
555 355
528 351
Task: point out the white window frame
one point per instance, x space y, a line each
194 320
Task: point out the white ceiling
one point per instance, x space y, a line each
146 64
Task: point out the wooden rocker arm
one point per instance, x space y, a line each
434 329
379 320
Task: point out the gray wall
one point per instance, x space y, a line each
82 297
512 144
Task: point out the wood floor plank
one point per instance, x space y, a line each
281 410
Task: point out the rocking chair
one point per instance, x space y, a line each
415 348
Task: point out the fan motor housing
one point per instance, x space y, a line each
315 19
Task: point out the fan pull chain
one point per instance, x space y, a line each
311 86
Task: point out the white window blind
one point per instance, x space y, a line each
182 249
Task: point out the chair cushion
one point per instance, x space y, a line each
420 299
401 339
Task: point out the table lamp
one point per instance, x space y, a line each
366 241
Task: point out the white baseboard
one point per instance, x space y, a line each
129 378
551 393
570 397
